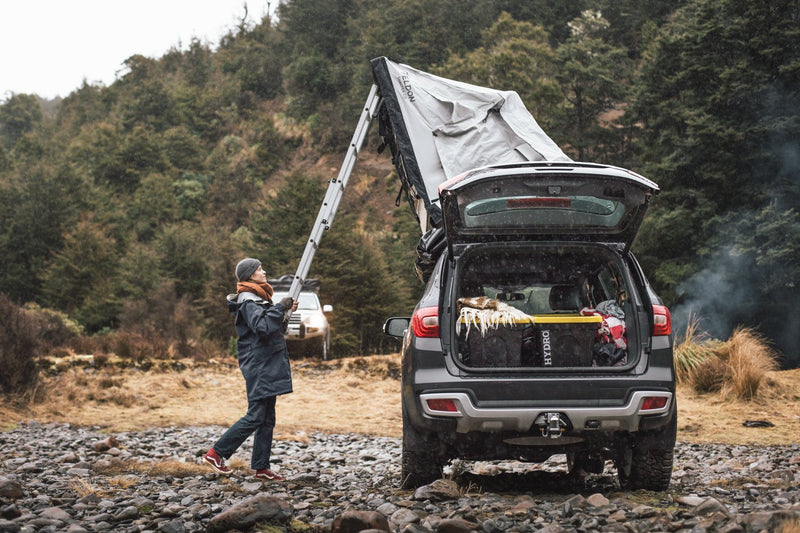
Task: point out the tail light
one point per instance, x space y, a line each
653 403
662 320
425 322
444 405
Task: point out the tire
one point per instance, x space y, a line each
424 455
646 461
323 347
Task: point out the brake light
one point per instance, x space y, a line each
523 203
651 403
662 320
425 322
445 405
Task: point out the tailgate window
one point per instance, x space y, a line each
546 212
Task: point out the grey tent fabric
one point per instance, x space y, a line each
442 128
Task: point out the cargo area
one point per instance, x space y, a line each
542 307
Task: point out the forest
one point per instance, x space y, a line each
125 208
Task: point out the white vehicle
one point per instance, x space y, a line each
309 332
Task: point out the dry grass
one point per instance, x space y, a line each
749 358
692 350
791 525
722 384
358 395
718 418
120 469
83 488
735 368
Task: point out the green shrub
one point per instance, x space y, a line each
57 330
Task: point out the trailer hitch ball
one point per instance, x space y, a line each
551 425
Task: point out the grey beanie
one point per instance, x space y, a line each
246 267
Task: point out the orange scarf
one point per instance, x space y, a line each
262 289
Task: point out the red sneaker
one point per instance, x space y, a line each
268 475
216 462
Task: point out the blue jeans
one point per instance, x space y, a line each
259 419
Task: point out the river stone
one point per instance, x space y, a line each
127 513
7 526
441 489
387 508
691 501
709 506
10 512
173 526
55 513
523 506
106 444
10 489
355 521
768 520
260 508
173 503
403 516
597 500
456 525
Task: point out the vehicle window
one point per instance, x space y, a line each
307 300
542 212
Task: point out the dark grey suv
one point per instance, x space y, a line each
538 333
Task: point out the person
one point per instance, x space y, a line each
264 362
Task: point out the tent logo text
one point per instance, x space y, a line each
405 83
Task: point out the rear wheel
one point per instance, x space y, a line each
646 461
424 455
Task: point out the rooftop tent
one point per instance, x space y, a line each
438 128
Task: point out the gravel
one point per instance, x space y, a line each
54 477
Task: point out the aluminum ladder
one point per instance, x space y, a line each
330 204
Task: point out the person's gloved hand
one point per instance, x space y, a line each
287 304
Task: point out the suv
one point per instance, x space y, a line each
538 333
308 331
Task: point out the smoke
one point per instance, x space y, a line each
716 296
729 292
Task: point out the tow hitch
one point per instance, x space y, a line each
551 425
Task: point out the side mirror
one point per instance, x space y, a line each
396 326
327 308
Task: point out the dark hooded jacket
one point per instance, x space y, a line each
263 357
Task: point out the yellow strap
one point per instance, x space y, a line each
567 319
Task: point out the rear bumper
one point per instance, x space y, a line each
469 417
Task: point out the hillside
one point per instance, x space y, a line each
156 185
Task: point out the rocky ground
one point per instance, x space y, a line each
62 478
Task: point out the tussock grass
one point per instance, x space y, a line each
178 469
749 358
791 525
76 386
124 482
735 368
692 351
83 488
